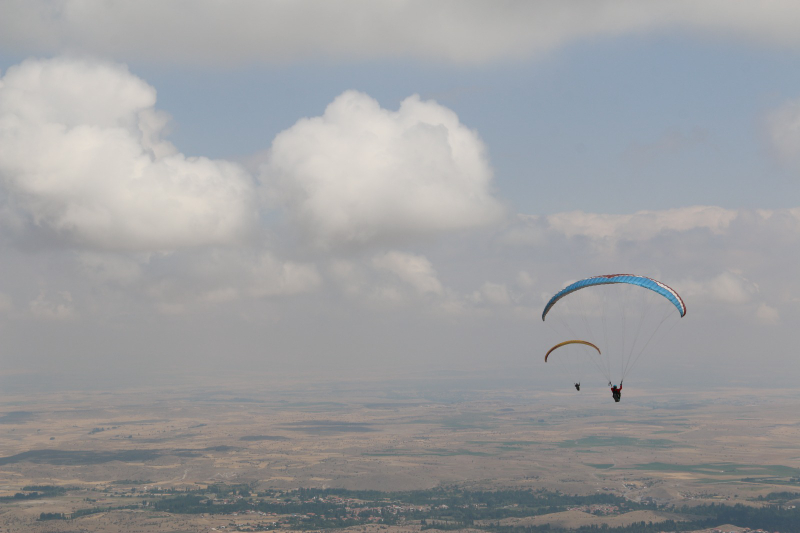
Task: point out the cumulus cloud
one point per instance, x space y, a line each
492 294
414 270
639 226
396 280
700 238
361 174
715 258
206 32
766 314
177 283
730 288
81 157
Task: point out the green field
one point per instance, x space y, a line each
439 452
595 441
723 469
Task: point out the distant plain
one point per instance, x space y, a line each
723 446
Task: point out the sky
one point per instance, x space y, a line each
192 189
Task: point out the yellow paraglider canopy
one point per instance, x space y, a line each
560 344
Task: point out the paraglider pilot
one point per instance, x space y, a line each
616 392
578 386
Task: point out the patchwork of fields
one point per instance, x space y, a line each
110 454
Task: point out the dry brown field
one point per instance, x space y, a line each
669 447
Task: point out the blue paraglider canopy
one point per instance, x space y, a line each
631 279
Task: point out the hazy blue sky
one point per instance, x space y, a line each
194 187
563 131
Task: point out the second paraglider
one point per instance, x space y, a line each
575 357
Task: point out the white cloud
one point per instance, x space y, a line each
398 280
81 157
731 288
206 32
415 270
271 277
640 226
728 288
222 276
493 294
402 280
360 174
767 314
723 259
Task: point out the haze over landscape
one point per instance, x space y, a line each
263 207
